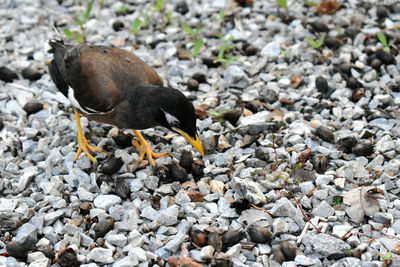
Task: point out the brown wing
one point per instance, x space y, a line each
102 76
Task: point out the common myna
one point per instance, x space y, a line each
113 86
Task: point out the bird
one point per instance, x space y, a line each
113 86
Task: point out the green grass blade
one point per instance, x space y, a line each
68 33
88 10
197 46
187 29
382 38
282 3
311 42
136 25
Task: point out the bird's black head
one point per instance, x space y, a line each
178 114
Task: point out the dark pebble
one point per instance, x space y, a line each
209 144
122 140
67 258
319 26
162 172
232 237
199 238
347 143
320 163
122 188
31 74
288 250
104 226
221 259
117 25
363 149
104 178
9 224
16 249
248 140
197 169
7 75
200 77
277 255
1 124
181 7
259 234
210 62
177 173
251 50
385 57
244 3
186 160
241 205
322 84
232 116
325 134
382 12
47 251
345 68
357 95
332 42
111 166
193 85
376 63
214 240
351 32
32 107
352 83
84 208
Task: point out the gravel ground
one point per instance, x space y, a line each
302 144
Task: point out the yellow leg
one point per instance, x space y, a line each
144 149
83 143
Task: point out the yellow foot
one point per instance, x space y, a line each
88 149
144 149
83 143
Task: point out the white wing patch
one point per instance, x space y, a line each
171 119
83 109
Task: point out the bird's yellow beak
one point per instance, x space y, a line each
195 142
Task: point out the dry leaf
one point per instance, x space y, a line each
297 81
362 201
223 143
276 115
195 196
329 7
201 113
118 42
397 249
183 261
286 101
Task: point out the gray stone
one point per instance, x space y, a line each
284 208
323 245
102 255
323 210
169 216
27 235
248 189
118 240
235 77
138 253
26 177
106 201
341 230
304 260
127 261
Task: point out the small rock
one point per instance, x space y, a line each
288 249
381 12
104 226
31 74
321 84
122 188
325 134
177 173
193 85
7 75
363 149
122 140
181 7
259 234
186 160
106 201
102 255
118 25
111 166
66 257
233 237
304 260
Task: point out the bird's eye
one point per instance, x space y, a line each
172 120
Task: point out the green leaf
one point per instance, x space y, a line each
68 33
320 41
382 38
187 29
387 256
88 10
386 49
79 21
282 3
79 37
146 21
136 25
197 46
159 5
221 15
